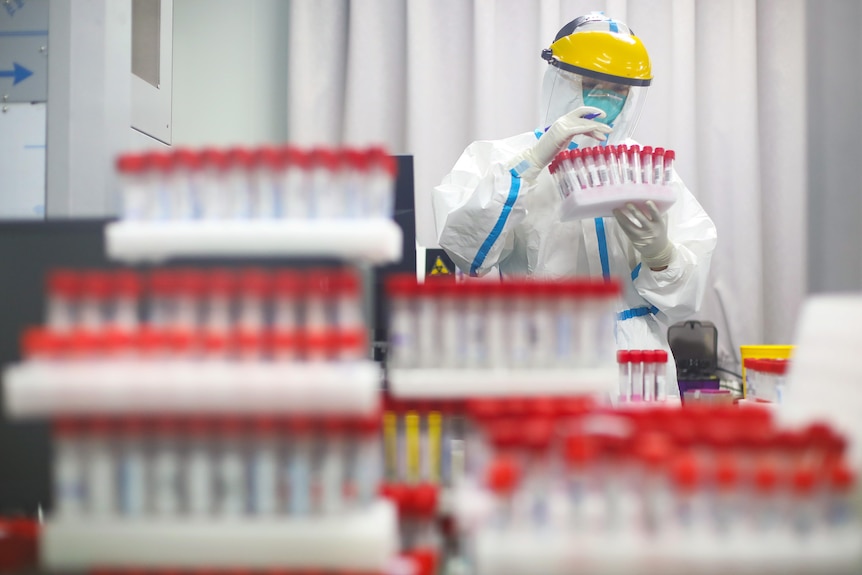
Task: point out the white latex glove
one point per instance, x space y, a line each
560 134
647 231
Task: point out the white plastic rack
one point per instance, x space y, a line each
461 383
364 540
373 241
45 389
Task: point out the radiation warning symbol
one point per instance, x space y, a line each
440 268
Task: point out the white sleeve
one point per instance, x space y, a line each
478 205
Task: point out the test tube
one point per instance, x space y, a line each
368 462
239 193
96 294
127 291
214 196
68 468
496 326
64 289
390 445
649 370
354 180
669 156
162 290
428 323
452 343
658 166
263 469
580 168
637 370
634 153
221 286
646 165
165 470
382 170
625 374
559 178
318 301
324 164
520 308
589 157
268 166
298 467
474 334
184 184
131 468
187 292
199 468
255 289
412 447
230 468
613 165
332 471
544 316
601 165
625 169
135 195
568 174
100 470
288 290
502 478
402 290
296 200
159 166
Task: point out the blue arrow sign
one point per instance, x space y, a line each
17 73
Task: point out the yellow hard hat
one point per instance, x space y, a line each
603 55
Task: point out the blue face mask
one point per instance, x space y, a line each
609 101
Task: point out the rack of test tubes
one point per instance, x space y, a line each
594 181
472 338
213 417
560 488
642 375
765 379
181 339
265 201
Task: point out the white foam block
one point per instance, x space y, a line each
365 540
823 382
41 389
374 241
455 383
602 201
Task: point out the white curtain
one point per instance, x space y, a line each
427 77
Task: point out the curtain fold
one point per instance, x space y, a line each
427 77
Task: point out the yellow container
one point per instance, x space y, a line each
762 352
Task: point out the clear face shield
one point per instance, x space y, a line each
564 91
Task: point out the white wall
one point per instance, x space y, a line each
230 72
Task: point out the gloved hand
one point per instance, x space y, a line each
561 133
647 231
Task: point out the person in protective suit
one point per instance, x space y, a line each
499 209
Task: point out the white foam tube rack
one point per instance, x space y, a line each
363 540
556 550
373 241
457 383
39 389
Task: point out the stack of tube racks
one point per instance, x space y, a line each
225 417
219 419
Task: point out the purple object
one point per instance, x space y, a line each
693 384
